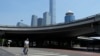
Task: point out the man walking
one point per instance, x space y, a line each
26 46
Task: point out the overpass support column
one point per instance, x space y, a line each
97 25
2 34
70 44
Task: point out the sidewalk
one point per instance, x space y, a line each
32 52
5 53
18 51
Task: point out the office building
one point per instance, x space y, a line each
46 19
69 17
21 24
53 11
34 21
40 21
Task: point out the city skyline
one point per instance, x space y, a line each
49 18
13 11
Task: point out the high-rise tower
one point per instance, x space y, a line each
53 11
40 22
69 17
46 19
34 21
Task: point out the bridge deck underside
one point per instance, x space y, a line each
58 37
55 33
36 36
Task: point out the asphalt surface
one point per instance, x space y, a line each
16 51
5 53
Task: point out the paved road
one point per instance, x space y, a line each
47 52
5 53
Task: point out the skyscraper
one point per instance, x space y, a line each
34 21
40 21
46 19
69 17
53 11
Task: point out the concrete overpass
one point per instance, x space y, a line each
87 26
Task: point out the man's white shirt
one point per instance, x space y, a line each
26 42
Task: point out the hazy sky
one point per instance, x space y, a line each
12 11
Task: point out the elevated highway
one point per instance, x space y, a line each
84 26
88 26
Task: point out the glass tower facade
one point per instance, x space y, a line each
34 21
46 19
40 22
53 11
69 17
